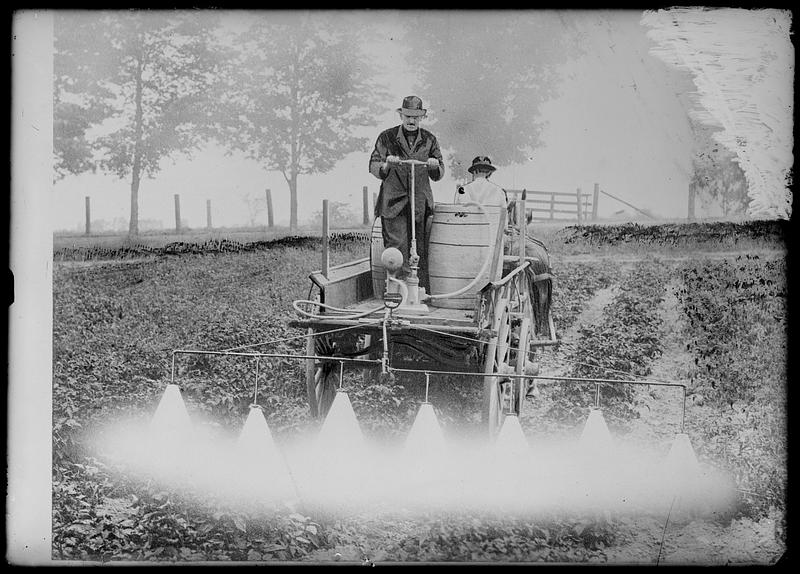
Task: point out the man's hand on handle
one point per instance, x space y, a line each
432 162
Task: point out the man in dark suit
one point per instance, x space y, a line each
407 141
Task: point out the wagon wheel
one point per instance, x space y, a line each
321 376
522 361
496 363
522 335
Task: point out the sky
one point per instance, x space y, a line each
619 120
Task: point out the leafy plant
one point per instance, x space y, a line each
736 332
620 346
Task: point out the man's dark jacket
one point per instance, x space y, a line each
396 183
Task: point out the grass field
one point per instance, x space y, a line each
701 304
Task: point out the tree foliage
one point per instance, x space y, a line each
485 76
73 152
131 90
299 88
717 176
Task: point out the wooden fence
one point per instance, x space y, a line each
177 200
559 205
541 206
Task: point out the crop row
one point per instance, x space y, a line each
114 330
717 233
547 539
621 345
736 331
575 285
222 245
101 514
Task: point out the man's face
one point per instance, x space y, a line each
410 123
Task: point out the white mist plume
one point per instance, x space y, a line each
341 470
260 470
171 420
742 62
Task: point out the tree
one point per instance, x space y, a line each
717 177
73 152
131 90
296 94
485 76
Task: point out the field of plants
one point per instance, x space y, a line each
700 305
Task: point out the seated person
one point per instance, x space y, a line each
480 189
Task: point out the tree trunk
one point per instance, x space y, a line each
133 228
692 197
294 152
293 201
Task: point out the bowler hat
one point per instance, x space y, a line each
482 163
412 106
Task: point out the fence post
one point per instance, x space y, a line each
177 213
552 204
522 227
595 199
208 214
366 205
88 217
579 204
325 244
269 208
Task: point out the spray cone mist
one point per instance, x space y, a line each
596 465
258 464
171 421
424 458
511 443
684 481
171 451
596 438
339 469
340 433
425 440
682 467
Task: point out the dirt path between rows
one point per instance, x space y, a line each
645 540
700 541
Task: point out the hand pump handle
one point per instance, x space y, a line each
414 256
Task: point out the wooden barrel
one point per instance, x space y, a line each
460 238
376 249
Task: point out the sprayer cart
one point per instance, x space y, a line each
479 316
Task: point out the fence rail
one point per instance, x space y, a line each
540 206
582 206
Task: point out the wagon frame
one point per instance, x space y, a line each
495 338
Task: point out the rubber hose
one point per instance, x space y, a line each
332 308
